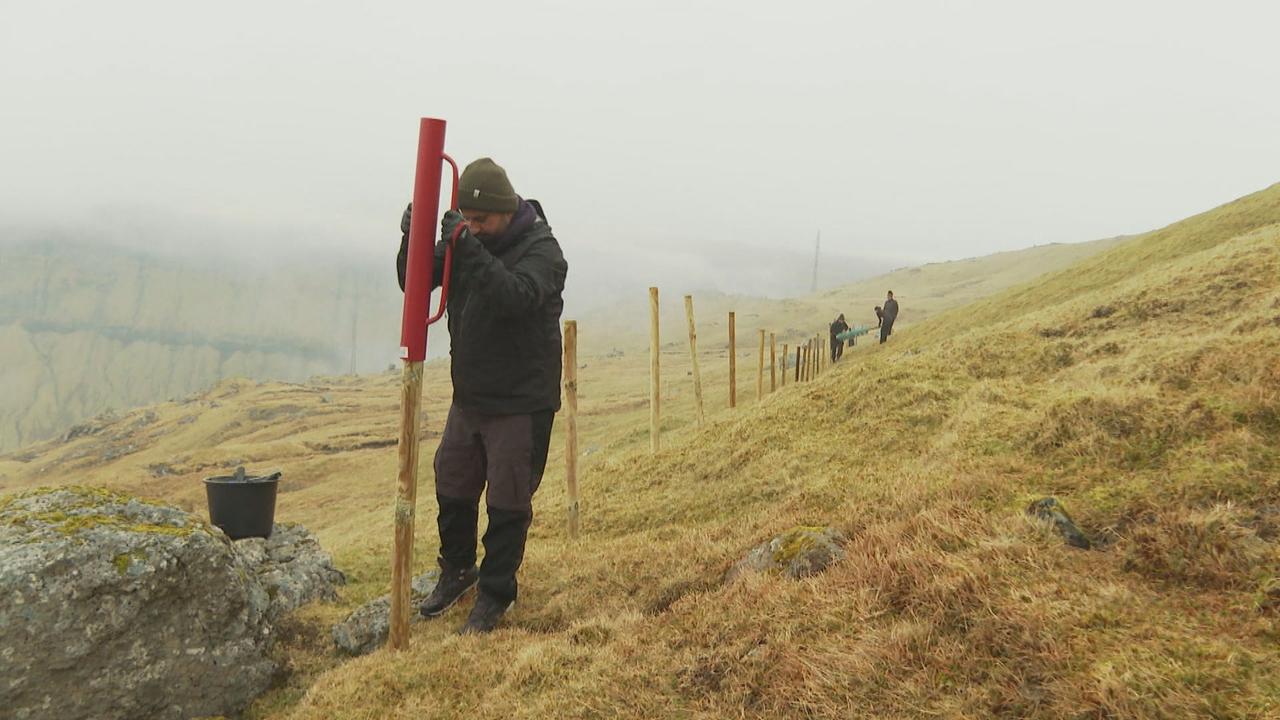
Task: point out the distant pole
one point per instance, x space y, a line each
733 364
571 421
797 362
355 322
817 246
654 379
784 366
773 363
760 371
804 372
693 354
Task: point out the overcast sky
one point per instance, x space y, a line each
905 131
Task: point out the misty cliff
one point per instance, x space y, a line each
86 328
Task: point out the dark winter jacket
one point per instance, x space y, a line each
890 311
838 327
504 316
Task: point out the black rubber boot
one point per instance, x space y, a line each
503 552
457 521
485 615
453 584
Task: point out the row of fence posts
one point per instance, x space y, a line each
810 361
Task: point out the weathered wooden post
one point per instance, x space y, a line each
797 362
760 371
571 421
785 356
773 363
733 364
655 394
693 355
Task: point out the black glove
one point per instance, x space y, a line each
404 219
449 223
466 245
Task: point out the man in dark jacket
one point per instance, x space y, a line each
837 346
890 314
504 331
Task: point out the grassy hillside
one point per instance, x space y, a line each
1141 387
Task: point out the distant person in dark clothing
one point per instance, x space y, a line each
890 314
837 347
879 316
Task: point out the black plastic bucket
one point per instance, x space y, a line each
243 505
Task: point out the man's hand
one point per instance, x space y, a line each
449 223
467 244
404 219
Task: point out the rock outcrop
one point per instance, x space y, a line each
796 553
292 567
115 607
1050 513
367 627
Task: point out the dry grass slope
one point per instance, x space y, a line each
1141 387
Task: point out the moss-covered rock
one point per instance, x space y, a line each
1052 514
137 607
69 511
799 552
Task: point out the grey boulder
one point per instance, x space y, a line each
292 567
796 553
1051 514
366 629
115 607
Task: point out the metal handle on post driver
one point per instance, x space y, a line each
448 249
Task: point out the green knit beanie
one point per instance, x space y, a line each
484 186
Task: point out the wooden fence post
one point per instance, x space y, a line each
797 362
693 354
655 384
571 421
785 356
760 371
733 364
406 500
773 363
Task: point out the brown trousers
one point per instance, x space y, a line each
501 457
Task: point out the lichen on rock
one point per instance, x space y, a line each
366 629
139 608
1052 514
799 552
